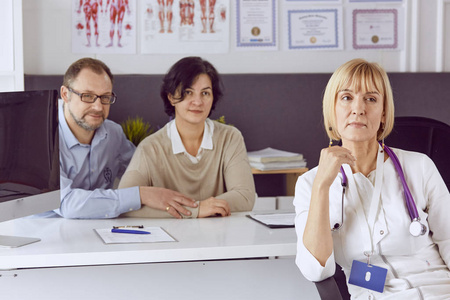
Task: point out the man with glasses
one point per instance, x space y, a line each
94 151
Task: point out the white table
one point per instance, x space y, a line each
214 258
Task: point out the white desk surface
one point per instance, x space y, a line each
67 242
213 258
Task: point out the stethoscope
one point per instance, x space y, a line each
416 228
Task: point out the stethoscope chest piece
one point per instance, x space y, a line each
416 228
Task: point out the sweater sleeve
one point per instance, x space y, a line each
240 187
138 174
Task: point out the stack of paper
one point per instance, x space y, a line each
273 159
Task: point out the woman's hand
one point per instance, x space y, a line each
213 207
330 162
317 235
165 199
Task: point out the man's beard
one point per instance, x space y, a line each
83 123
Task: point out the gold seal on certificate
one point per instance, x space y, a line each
312 40
256 31
375 39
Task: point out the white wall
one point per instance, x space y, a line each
11 48
47 45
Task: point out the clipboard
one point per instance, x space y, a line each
275 220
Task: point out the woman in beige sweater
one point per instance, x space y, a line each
202 159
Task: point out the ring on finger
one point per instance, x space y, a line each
167 208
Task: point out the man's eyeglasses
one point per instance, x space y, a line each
91 98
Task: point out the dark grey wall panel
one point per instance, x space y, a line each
272 110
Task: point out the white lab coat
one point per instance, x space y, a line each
417 266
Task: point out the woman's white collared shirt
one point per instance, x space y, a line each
177 144
416 265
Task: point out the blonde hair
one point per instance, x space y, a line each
361 75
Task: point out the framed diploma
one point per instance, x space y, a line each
256 24
315 29
375 29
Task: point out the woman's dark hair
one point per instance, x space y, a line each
182 75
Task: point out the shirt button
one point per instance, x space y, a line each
381 232
130 209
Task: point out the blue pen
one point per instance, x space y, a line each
116 230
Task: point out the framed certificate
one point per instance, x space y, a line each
256 24
315 29
375 29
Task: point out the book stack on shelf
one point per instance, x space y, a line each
273 159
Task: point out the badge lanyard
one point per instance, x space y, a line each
375 201
367 275
362 274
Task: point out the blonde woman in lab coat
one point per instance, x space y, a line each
367 224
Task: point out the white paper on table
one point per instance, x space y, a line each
157 235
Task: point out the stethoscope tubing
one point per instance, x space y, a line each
410 204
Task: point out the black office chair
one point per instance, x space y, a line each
419 134
335 287
424 135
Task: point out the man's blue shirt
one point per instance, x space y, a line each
88 172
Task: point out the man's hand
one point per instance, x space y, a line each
165 199
213 207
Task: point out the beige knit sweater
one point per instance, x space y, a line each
223 172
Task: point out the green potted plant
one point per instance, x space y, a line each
136 129
221 119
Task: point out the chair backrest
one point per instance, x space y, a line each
424 135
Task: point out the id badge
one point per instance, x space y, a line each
368 276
